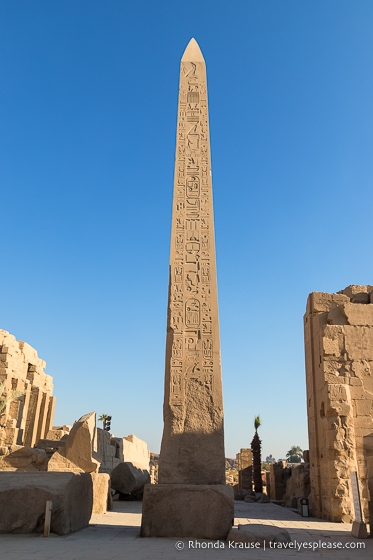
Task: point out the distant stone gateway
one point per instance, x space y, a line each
191 499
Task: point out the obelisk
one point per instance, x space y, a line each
192 461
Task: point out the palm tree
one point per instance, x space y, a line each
9 397
103 419
257 461
295 454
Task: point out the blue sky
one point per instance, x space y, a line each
88 101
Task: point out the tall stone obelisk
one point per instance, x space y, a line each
192 461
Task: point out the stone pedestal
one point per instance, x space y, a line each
359 530
187 510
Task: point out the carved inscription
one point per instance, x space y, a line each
191 292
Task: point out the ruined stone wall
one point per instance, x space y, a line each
339 376
24 421
245 469
114 450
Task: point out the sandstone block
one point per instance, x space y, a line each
80 443
322 301
358 314
101 487
23 497
128 478
359 530
185 510
59 463
24 459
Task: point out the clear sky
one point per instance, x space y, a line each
88 100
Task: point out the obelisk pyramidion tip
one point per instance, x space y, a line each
193 52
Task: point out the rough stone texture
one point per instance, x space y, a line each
192 450
50 445
339 376
23 497
359 530
185 510
298 485
59 463
245 469
128 478
101 487
24 459
277 484
58 432
370 491
81 444
29 418
114 450
257 533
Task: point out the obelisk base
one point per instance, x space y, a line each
187 510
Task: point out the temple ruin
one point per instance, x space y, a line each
339 375
26 419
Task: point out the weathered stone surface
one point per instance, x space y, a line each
321 302
192 450
357 294
115 450
26 419
192 499
101 487
50 444
359 530
128 478
183 510
81 443
298 485
23 497
24 459
58 432
59 463
245 469
339 367
258 533
277 480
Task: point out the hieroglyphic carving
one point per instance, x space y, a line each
193 298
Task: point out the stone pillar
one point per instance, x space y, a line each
50 415
33 417
191 490
245 470
276 484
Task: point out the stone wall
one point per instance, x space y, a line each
29 418
114 450
339 375
278 474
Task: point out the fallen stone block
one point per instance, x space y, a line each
23 497
24 459
128 478
59 463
